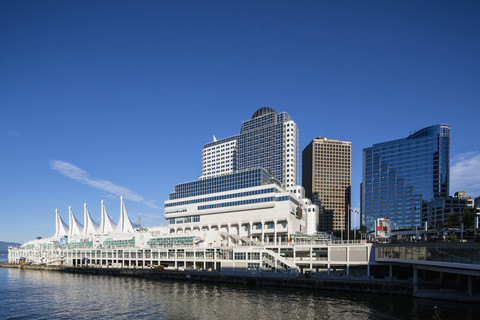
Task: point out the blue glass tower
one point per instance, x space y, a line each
399 175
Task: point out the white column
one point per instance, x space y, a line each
288 230
263 231
250 230
275 231
228 238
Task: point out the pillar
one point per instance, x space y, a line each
228 231
415 279
250 229
470 286
275 231
263 231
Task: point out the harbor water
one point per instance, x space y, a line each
34 294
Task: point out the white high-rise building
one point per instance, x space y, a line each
249 185
218 159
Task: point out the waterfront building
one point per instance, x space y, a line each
326 177
247 205
437 212
399 175
248 187
200 247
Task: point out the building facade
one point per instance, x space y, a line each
248 188
398 176
326 177
268 140
437 212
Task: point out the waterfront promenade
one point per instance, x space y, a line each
431 270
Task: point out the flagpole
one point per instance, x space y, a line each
348 224
355 229
341 236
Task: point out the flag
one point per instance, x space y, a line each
343 212
356 212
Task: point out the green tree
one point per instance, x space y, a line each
467 218
452 221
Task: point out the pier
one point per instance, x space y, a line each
429 270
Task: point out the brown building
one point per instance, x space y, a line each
326 177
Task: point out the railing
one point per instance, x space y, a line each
465 253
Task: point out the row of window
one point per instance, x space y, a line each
243 202
222 197
239 180
181 220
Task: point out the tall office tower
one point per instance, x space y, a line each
248 188
399 175
326 178
268 140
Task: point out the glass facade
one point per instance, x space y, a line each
399 175
222 197
234 181
260 144
265 141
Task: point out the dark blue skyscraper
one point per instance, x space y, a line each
399 175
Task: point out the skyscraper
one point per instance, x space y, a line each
399 175
268 140
248 188
326 178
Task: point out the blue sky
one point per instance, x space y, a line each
102 98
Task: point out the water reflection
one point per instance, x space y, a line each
46 295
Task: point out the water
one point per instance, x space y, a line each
32 294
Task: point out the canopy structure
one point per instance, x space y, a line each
89 226
61 228
76 227
124 224
106 225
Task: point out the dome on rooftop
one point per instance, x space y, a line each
263 111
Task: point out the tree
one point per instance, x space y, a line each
38 238
452 221
467 218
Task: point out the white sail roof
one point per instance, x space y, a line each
89 226
124 224
76 227
61 228
106 225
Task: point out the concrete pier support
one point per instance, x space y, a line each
415 279
470 286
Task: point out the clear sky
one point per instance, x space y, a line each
102 98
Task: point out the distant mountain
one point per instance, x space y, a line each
4 245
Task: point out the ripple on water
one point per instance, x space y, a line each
30 294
